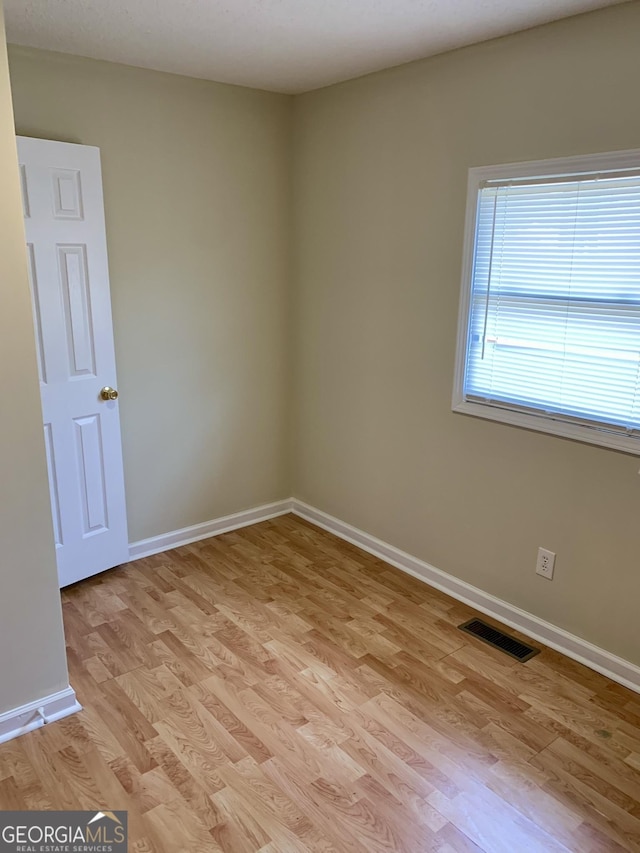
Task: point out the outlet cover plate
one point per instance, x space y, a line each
545 563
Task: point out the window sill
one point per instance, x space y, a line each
552 426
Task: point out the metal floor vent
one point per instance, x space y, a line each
499 640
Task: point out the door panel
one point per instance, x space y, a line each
37 321
53 486
25 195
67 194
72 263
91 469
67 258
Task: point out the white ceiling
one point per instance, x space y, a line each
281 45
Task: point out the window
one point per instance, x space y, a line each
549 333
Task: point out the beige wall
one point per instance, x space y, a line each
197 208
197 190
380 179
32 655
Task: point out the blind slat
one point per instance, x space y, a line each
554 322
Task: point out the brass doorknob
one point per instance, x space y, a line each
108 393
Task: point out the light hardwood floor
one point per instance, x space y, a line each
275 689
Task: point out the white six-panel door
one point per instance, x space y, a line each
67 257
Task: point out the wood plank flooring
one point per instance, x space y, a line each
275 689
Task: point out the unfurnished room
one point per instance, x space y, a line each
320 431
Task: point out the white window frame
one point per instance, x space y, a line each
595 433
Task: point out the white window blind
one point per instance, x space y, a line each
554 311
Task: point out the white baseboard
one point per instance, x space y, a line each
187 535
34 715
619 670
616 668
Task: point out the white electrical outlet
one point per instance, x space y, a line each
545 563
